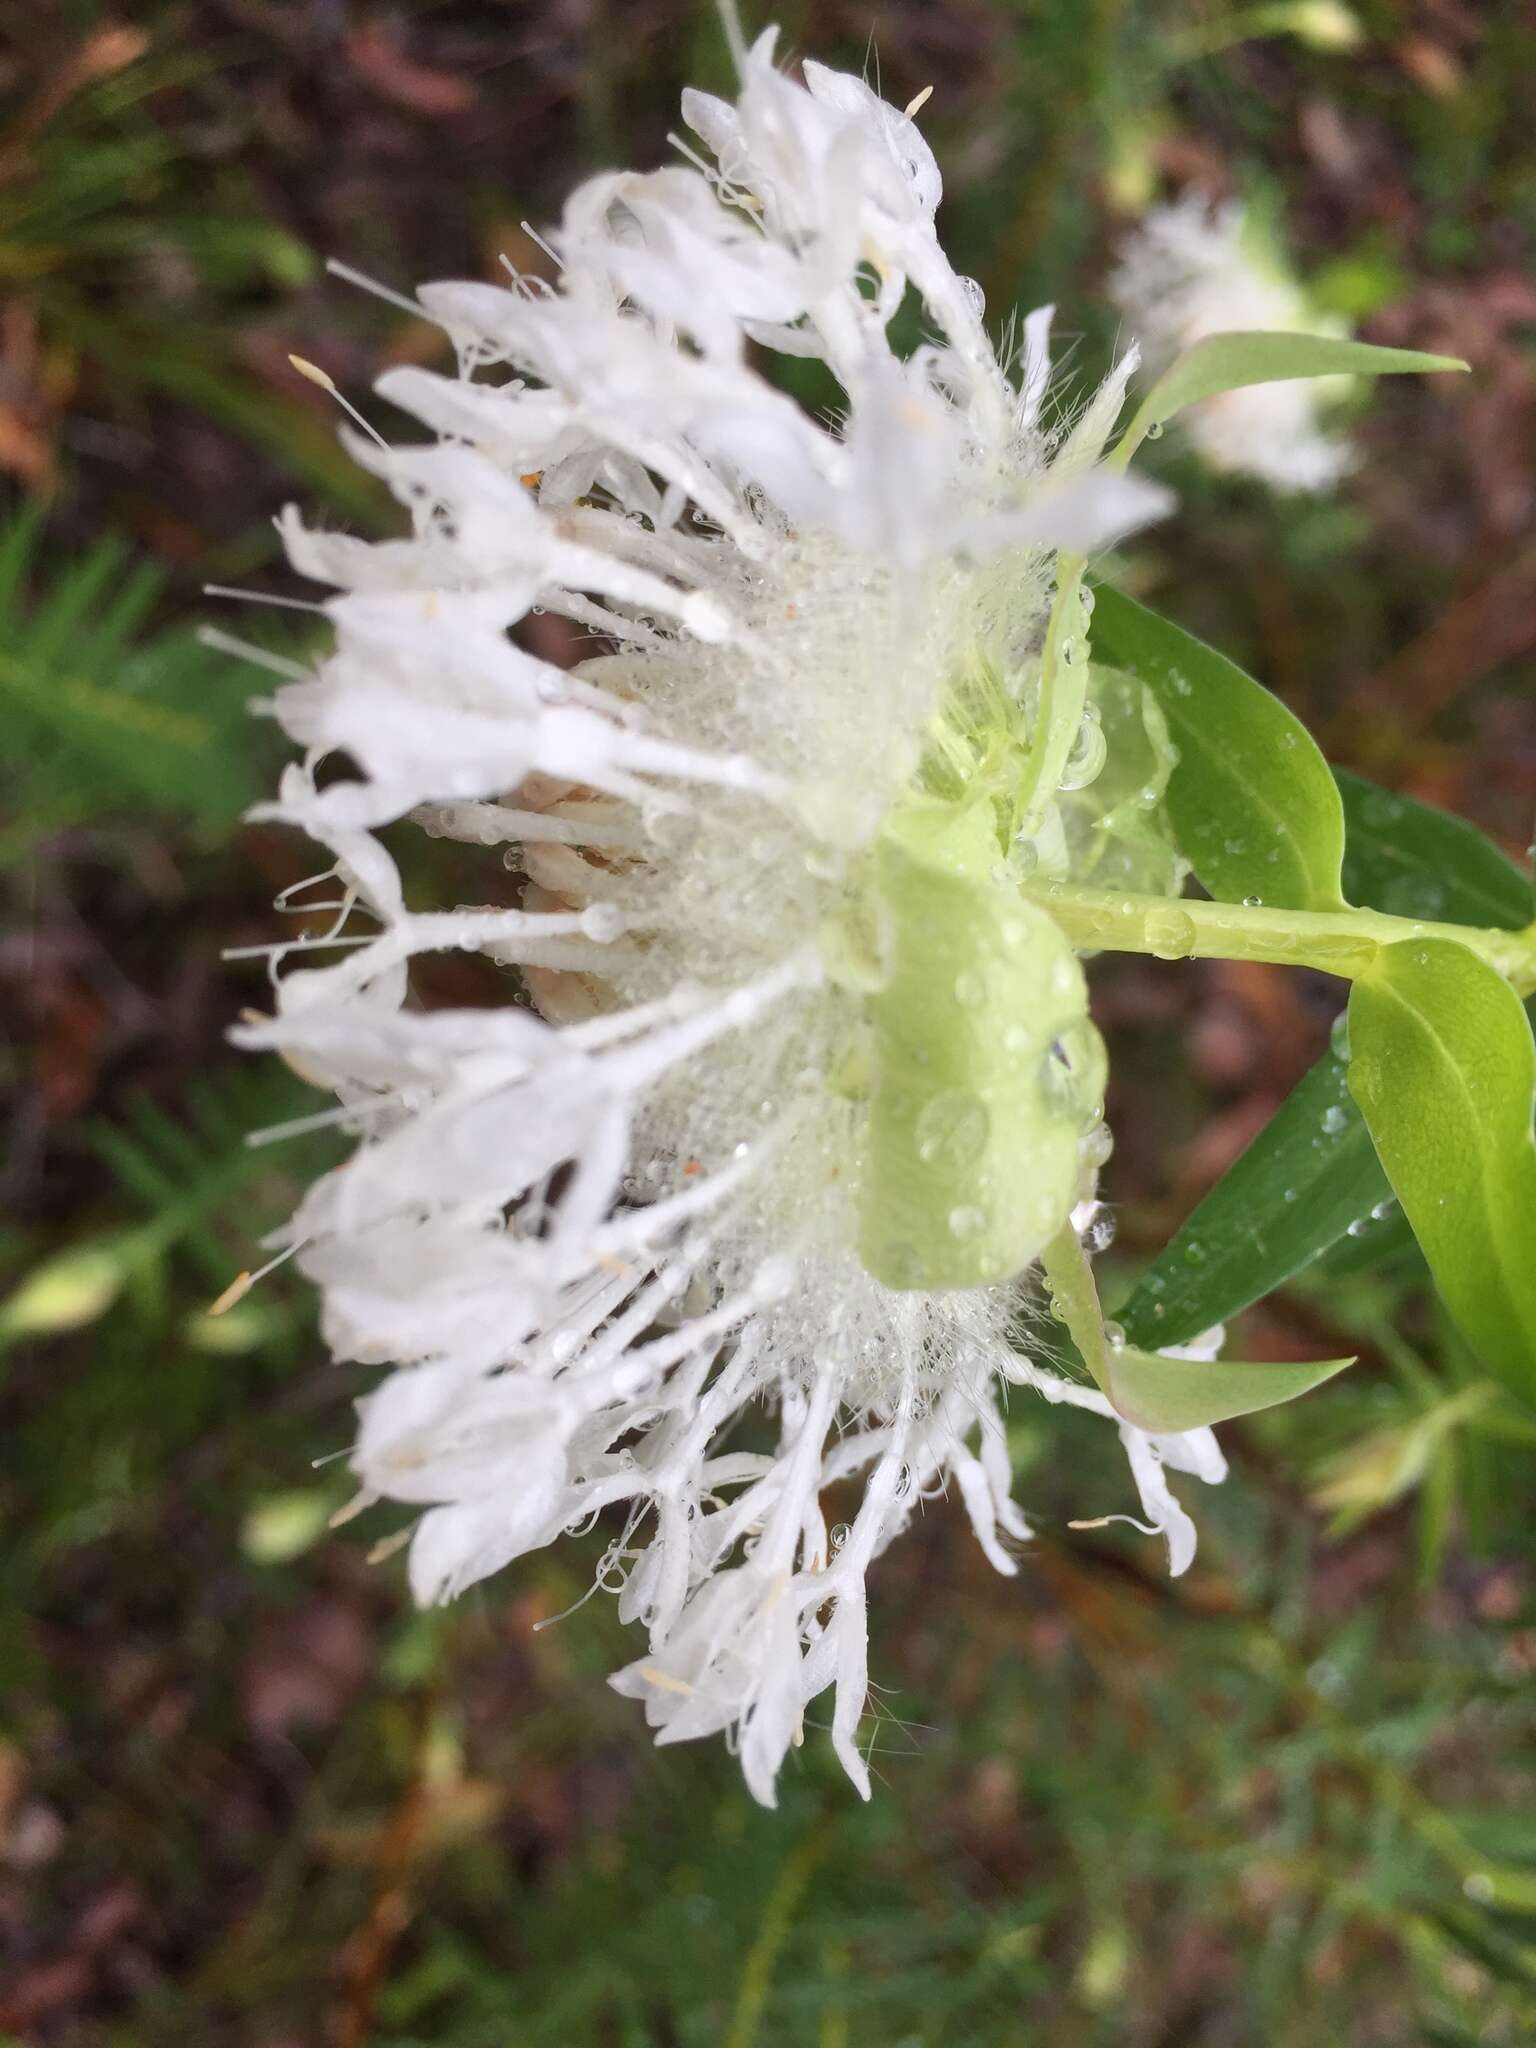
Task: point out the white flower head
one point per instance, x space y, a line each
718 1226
1194 269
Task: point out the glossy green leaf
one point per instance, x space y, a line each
1252 802
1307 1178
1413 860
1227 362
1444 1070
1165 1394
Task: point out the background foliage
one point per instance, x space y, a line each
246 1797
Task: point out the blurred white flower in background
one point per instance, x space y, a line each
1194 269
613 1244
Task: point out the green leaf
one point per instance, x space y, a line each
1227 362
1157 1393
1166 1394
1444 1070
1412 860
1251 799
1308 1176
1246 1237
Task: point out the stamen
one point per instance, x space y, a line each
318 376
242 1283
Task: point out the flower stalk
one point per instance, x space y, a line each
1341 942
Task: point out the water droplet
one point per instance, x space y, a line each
1479 1887
1087 757
1114 1336
1384 1209
1338 1036
1171 933
966 1220
553 688
1194 1255
1068 651
1358 1228
1253 903
1026 856
838 1535
1155 431
1072 1073
602 922
975 297
1335 1118
1096 1145
1100 1234
952 1129
1087 599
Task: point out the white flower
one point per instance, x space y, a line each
1194 269
611 1243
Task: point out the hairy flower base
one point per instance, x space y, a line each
724 1217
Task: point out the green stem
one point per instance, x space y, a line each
1343 942
1063 693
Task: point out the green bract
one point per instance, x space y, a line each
987 1070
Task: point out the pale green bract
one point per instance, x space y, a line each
987 1070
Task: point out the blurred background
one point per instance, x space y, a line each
247 1797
